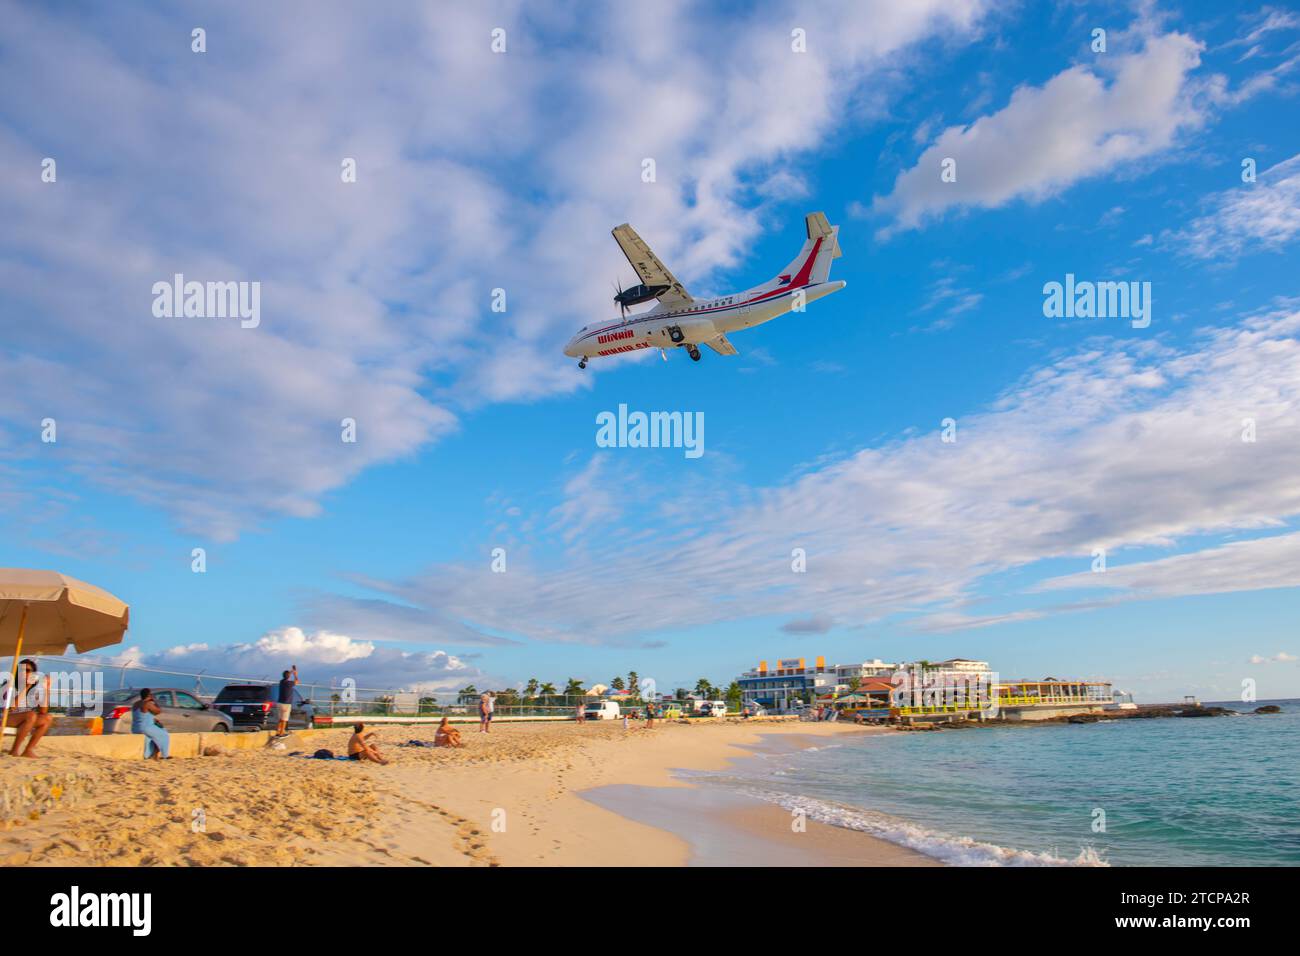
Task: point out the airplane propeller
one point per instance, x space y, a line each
619 298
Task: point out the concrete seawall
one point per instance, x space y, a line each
131 746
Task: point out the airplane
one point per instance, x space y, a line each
680 321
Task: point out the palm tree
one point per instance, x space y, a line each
617 683
733 696
633 684
704 689
547 690
573 688
530 689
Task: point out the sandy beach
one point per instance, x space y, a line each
524 795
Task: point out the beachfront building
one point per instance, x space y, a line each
849 675
789 685
1052 691
963 666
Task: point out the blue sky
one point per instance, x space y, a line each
480 170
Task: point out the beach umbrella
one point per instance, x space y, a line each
42 612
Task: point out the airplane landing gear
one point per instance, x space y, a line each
582 362
693 352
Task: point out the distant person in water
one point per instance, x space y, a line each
446 735
360 747
144 720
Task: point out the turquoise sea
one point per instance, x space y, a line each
1222 791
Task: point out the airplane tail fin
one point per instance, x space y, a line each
813 264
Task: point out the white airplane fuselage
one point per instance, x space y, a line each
696 324
680 321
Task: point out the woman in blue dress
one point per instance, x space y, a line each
144 720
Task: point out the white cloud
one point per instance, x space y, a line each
1281 657
1264 215
1122 443
226 166
1084 121
1251 565
321 656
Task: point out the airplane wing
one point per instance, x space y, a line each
722 345
649 268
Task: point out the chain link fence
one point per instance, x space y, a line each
338 698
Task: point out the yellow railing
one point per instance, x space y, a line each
1008 701
940 709
1062 699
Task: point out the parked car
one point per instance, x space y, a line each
252 707
753 708
710 708
182 712
601 710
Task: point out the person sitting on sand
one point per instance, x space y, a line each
446 735
31 708
144 720
360 747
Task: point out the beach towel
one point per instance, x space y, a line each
317 756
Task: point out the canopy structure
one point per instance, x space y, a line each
43 612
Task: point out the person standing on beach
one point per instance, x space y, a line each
288 681
649 715
582 713
31 708
486 704
144 720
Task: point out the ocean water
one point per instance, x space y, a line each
1220 791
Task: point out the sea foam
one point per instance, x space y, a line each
958 851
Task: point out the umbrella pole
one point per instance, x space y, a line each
13 675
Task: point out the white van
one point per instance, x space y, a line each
710 708
601 710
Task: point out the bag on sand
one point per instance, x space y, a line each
323 754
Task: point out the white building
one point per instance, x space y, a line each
846 675
963 666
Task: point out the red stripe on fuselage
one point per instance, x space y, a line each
798 282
